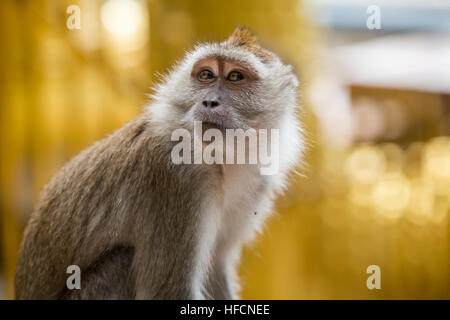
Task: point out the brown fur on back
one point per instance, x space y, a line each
117 193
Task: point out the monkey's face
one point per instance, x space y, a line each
234 84
231 92
223 93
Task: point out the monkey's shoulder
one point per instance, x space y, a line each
131 161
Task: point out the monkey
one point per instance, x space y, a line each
140 226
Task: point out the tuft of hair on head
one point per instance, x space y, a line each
244 39
242 36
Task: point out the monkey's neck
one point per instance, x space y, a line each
240 181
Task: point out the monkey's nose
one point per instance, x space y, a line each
210 103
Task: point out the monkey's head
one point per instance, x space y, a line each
233 84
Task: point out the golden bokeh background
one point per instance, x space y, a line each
381 198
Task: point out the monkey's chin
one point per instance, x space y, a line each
211 125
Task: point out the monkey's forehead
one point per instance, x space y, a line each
232 53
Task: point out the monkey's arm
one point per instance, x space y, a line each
167 228
163 272
165 259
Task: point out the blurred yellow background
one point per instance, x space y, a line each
375 185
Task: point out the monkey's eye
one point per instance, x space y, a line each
235 76
205 75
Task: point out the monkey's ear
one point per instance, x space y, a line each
242 36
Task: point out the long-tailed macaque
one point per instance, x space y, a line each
140 225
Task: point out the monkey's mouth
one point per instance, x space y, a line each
210 120
212 125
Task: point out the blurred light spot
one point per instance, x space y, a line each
126 33
421 202
122 18
391 195
361 195
394 156
437 163
365 165
413 158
